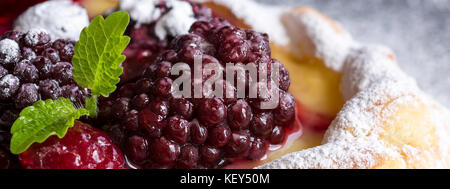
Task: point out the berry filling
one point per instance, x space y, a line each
157 130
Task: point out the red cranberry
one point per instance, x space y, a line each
126 90
259 43
151 122
115 132
219 136
200 28
163 69
144 55
182 107
105 110
164 151
198 132
233 48
188 40
160 107
239 143
284 114
163 87
271 91
140 101
131 121
120 107
211 111
150 71
178 129
188 53
136 149
143 86
284 80
277 135
257 149
239 115
209 155
188 157
262 124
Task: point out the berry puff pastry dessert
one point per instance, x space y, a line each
96 98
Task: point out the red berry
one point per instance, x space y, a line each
136 149
262 124
210 154
219 136
257 149
239 143
277 135
164 151
239 115
178 129
211 111
199 133
83 147
188 157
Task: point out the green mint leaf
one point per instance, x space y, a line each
98 53
42 120
91 105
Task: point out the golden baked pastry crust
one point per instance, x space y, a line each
386 122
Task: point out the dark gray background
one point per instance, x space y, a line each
417 30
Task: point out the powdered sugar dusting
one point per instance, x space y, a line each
32 36
62 19
9 83
332 156
142 11
177 21
262 18
367 65
314 35
9 51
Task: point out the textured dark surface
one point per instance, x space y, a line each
417 30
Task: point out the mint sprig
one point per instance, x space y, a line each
96 66
41 120
98 53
